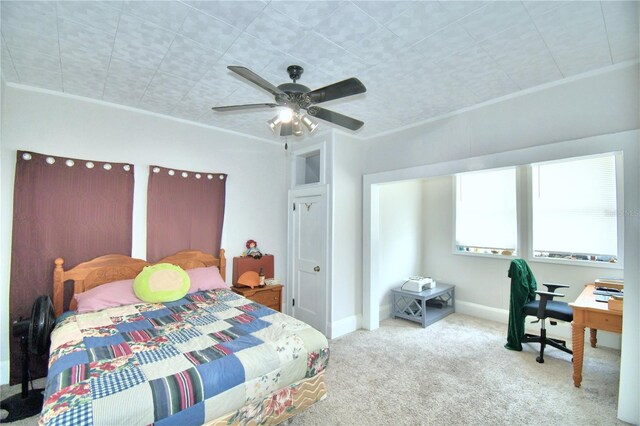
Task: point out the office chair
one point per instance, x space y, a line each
523 303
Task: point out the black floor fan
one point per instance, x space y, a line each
34 338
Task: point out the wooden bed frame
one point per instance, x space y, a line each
115 267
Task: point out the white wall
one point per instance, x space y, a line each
401 221
346 281
68 126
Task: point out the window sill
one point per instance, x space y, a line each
583 263
566 262
487 255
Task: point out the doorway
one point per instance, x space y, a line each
308 275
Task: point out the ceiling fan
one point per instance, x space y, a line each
295 97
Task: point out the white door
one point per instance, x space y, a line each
309 302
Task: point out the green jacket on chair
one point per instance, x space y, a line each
523 291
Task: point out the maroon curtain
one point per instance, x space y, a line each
68 208
185 210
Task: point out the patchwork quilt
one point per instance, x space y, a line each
180 363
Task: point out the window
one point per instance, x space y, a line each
486 217
574 209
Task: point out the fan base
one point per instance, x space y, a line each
20 408
295 71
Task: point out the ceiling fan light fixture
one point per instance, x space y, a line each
309 123
286 114
274 123
286 129
296 127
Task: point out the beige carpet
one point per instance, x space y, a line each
456 371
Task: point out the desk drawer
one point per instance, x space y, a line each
603 321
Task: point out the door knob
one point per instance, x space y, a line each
317 269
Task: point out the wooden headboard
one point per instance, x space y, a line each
115 267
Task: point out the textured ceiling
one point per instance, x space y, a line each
418 59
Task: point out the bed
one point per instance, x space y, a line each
212 357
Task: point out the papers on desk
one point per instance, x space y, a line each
603 281
609 292
605 291
606 294
608 298
606 287
603 294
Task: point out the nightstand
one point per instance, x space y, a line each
269 295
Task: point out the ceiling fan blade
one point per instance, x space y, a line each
341 89
256 79
241 107
335 118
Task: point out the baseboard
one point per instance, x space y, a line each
345 326
481 311
561 331
4 372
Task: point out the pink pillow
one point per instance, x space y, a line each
109 295
208 278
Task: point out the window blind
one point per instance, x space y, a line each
574 206
486 209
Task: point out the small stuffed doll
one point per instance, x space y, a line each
253 250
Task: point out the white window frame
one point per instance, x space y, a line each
518 248
524 213
620 227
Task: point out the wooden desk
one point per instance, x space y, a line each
595 315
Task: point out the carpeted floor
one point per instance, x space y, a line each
456 372
6 391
